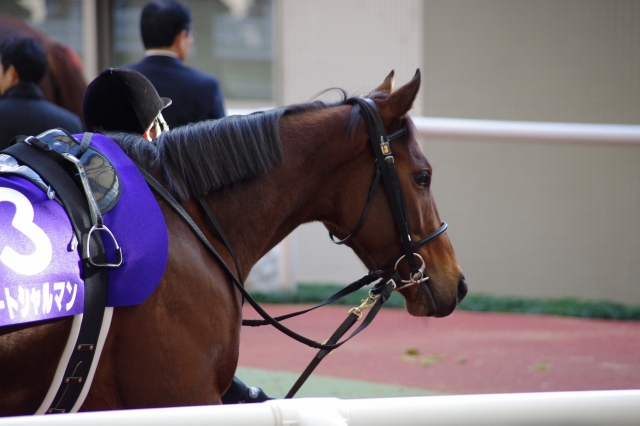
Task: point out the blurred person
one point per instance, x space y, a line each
23 108
165 26
123 100
63 83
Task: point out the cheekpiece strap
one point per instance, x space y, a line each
380 143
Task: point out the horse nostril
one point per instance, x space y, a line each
463 288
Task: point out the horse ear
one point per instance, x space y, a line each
400 102
386 86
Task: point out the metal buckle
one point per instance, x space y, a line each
366 303
384 146
103 227
415 278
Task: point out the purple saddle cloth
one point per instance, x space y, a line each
40 270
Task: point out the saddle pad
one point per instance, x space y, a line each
40 275
139 227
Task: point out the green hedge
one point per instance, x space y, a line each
314 293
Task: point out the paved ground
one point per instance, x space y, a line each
465 353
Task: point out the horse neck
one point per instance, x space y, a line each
258 214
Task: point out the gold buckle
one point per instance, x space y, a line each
366 303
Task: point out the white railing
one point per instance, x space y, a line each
516 131
610 408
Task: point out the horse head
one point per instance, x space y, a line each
432 281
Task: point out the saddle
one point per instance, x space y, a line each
101 175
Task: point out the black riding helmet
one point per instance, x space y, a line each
121 100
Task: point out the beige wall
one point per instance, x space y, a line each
352 44
535 219
535 60
542 220
538 220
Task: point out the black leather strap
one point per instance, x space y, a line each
365 211
353 287
344 327
213 223
169 199
432 236
385 293
48 166
382 149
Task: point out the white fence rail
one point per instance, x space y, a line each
523 131
610 408
518 131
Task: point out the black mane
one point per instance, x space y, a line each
212 155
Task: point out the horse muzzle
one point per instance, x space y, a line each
461 292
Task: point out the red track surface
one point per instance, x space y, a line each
464 353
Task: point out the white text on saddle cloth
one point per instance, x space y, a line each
39 265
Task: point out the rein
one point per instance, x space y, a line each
379 294
382 292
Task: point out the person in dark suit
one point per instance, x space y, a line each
167 37
23 108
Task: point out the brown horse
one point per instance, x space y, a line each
63 84
180 346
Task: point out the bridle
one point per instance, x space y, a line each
381 291
385 169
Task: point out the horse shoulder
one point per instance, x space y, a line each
29 356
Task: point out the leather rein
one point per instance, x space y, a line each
381 291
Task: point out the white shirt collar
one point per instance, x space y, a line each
161 52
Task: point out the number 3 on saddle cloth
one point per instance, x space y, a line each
40 266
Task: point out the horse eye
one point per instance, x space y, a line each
423 178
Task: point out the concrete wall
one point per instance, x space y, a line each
539 219
352 44
542 220
535 60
